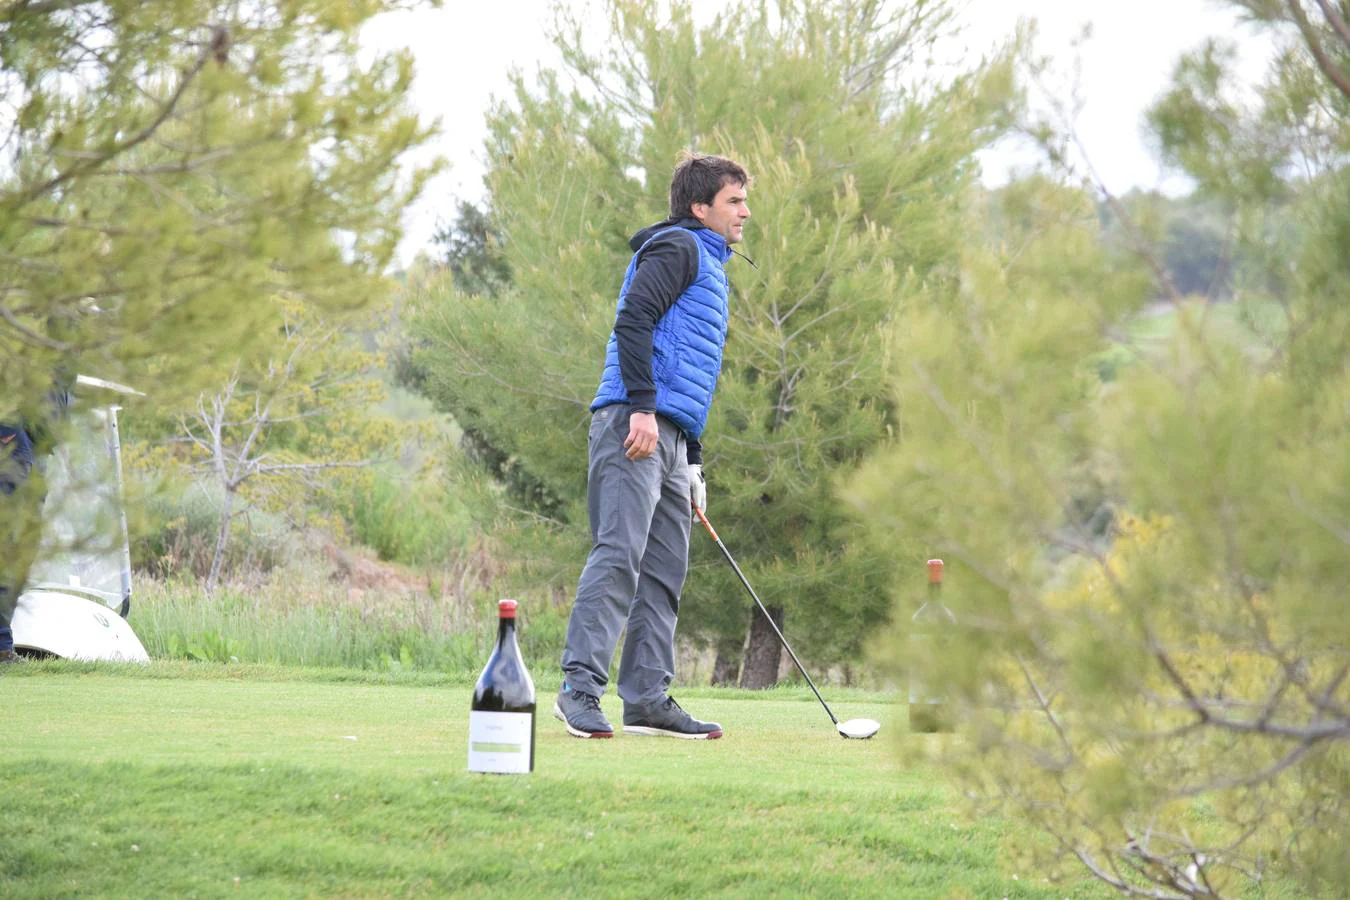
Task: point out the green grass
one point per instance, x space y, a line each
1256 324
299 616
306 624
204 780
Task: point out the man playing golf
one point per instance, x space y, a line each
645 457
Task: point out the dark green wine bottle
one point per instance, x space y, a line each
501 718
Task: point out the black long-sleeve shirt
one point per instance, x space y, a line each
665 270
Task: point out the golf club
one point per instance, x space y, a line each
858 729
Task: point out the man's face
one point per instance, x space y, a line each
727 213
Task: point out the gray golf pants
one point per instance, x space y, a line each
640 519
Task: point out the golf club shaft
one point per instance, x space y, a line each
768 618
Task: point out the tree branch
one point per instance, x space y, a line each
1336 530
134 140
1324 704
1116 881
39 339
1253 779
1337 22
1324 62
1045 705
44 7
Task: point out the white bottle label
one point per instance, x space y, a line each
499 742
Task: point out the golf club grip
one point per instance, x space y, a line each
708 525
768 618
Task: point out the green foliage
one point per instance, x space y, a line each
289 621
406 522
1193 237
207 646
277 430
181 165
860 159
174 529
1204 129
473 251
1169 705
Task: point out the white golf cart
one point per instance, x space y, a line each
79 590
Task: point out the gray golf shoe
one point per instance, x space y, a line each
666 719
580 712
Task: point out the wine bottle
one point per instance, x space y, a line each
931 625
501 719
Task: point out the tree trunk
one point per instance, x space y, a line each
727 665
765 651
222 538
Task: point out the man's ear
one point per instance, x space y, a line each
699 210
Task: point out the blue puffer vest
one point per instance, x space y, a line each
687 343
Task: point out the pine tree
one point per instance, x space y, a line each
860 159
1171 705
178 165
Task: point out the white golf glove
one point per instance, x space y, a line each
698 488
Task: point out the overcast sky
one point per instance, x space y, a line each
465 50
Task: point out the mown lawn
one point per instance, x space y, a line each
207 780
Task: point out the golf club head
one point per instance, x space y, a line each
859 729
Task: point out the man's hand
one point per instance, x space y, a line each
642 435
698 488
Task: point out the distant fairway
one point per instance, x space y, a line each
205 780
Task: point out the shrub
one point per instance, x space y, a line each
405 520
175 528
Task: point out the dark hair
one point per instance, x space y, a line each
698 178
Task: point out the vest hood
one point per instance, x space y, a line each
714 241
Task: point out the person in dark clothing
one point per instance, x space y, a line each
27 435
20 524
662 364
24 440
